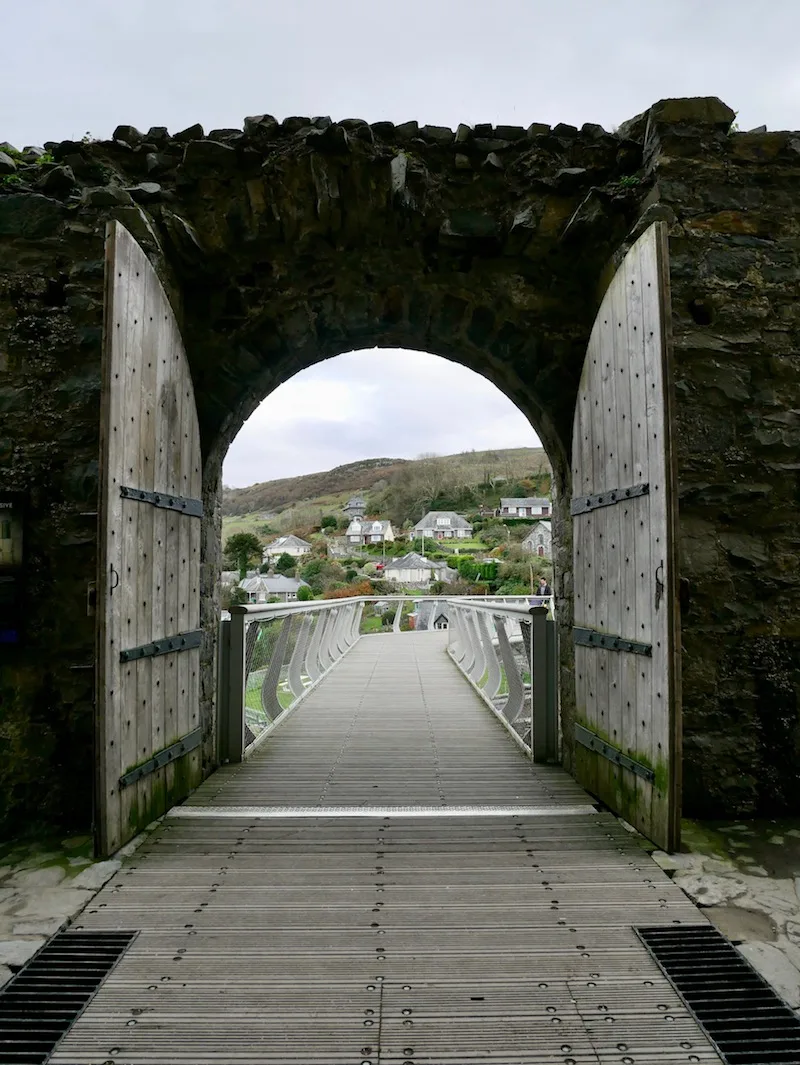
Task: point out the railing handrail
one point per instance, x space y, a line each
254 611
500 609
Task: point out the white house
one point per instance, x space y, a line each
362 531
443 525
530 507
539 540
413 569
286 545
261 589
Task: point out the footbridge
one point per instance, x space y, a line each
391 867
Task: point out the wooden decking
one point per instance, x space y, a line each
471 908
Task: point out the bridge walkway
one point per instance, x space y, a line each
388 880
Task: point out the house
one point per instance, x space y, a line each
443 525
414 569
261 589
229 577
362 531
530 507
355 507
286 545
539 540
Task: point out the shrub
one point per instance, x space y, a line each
304 594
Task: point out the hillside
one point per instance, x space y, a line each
396 488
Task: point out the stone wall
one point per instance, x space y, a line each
282 244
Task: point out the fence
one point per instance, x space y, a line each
272 655
508 654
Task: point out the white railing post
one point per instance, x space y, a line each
296 662
493 678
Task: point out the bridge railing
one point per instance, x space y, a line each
508 654
273 654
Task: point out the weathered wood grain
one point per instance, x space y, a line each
623 554
150 442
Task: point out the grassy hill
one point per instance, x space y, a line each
396 488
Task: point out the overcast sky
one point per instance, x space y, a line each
85 66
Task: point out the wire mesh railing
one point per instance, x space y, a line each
508 653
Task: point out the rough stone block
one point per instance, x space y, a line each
58 181
263 125
106 196
191 133
29 879
54 902
384 130
692 111
129 134
157 135
565 130
775 967
708 890
510 133
18 951
295 123
208 153
537 129
7 164
30 216
407 130
437 134
96 875
146 192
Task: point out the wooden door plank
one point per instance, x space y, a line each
133 616
620 439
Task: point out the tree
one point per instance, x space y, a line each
232 596
241 549
285 565
329 522
304 593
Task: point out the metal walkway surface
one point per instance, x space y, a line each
470 908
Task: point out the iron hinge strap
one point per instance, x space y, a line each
584 504
184 641
607 640
183 504
176 750
613 754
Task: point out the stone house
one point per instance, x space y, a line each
415 570
363 531
539 540
262 588
356 507
443 525
529 507
286 545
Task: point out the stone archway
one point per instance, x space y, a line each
283 243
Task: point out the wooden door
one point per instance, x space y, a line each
148 720
627 727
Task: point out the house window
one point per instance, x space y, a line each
442 521
541 539
511 510
545 510
5 530
540 552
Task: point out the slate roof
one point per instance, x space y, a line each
429 521
366 526
413 560
529 501
288 541
272 585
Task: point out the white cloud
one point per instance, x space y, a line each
366 404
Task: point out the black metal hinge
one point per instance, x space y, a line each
169 754
184 641
613 754
592 638
183 504
583 504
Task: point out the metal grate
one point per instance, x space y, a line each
45 998
741 1013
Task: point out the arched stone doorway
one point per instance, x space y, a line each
283 243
